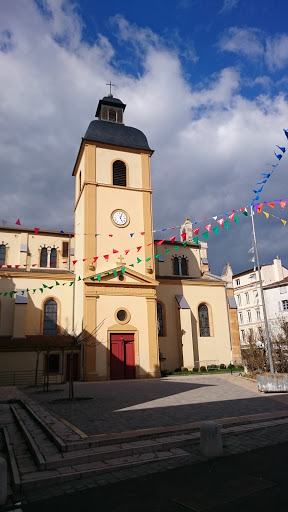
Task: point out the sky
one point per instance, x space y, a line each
205 80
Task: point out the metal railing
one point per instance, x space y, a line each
27 378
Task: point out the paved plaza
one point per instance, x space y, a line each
118 406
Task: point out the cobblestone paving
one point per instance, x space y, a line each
118 406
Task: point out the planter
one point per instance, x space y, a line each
273 383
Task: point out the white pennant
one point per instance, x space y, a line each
251 250
215 218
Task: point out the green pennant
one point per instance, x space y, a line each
157 255
176 247
148 259
167 250
27 290
22 291
34 290
50 287
138 260
99 278
236 219
215 229
11 294
244 212
206 235
72 282
5 294
44 285
0 293
92 278
185 243
131 265
79 278
107 274
225 224
114 272
123 270
41 290
195 239
57 284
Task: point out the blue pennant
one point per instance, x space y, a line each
278 156
286 132
281 149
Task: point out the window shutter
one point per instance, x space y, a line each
65 249
119 173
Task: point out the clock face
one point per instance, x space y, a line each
119 218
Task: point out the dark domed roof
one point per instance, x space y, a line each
116 134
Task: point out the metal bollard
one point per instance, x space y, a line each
210 439
3 481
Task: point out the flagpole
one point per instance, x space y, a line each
268 341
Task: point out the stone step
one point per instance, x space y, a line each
77 471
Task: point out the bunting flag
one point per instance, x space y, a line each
286 132
215 229
281 149
244 211
138 260
278 156
205 235
266 214
106 256
208 227
99 278
115 251
283 204
284 221
114 272
123 270
259 209
271 204
183 236
126 251
221 222
160 242
196 231
18 222
36 231
231 217
172 238
195 239
226 224
167 250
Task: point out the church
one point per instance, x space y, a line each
139 306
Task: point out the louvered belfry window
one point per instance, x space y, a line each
112 115
119 173
204 320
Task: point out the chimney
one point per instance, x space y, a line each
278 270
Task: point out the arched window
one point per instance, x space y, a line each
203 320
50 317
2 254
184 267
119 173
176 270
160 321
43 257
53 258
112 115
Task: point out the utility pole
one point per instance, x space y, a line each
268 341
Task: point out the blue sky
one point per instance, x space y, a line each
205 80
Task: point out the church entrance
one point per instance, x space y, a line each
122 356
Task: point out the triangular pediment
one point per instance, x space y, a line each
111 277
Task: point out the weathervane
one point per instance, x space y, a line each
110 85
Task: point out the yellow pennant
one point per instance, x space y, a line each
267 215
284 222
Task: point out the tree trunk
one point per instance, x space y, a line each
36 369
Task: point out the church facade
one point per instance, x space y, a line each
139 305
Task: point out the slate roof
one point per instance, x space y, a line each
116 134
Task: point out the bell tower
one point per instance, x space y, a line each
113 229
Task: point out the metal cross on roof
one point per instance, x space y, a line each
111 85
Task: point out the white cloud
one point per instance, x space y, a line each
211 143
228 5
277 52
245 41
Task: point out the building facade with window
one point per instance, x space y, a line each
248 297
133 295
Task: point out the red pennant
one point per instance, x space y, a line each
221 222
34 265
126 251
234 210
95 259
62 262
283 204
36 231
208 227
138 248
84 259
172 239
114 251
106 256
196 231
151 243
271 204
18 222
111 235
183 236
231 217
17 266
173 227
143 233
259 209
9 266
160 242
74 261
1 266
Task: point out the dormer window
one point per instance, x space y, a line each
112 115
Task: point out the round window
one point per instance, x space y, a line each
121 315
121 277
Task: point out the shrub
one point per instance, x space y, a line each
212 367
177 370
222 366
164 373
203 369
195 369
184 369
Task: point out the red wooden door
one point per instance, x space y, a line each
122 357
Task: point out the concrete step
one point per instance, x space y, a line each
77 471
